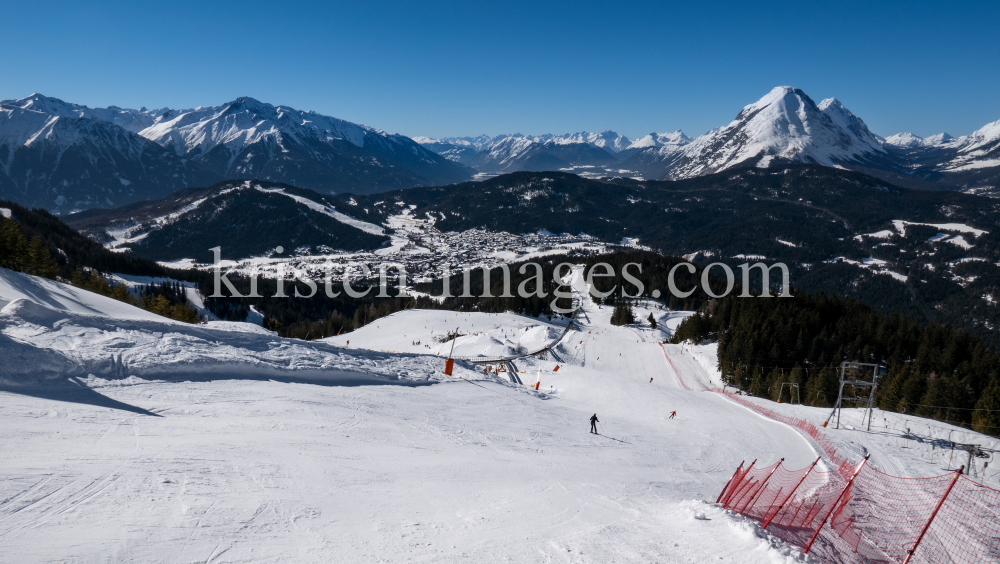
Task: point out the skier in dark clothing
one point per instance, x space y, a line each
593 424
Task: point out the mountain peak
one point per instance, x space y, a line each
784 125
832 104
660 139
47 105
123 149
905 139
781 96
938 138
246 103
909 140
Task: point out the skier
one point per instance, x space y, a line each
650 380
672 414
593 424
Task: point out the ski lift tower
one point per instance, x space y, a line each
855 375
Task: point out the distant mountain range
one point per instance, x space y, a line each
785 126
909 140
64 157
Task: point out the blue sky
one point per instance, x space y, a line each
465 68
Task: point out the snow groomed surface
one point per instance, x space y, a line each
138 439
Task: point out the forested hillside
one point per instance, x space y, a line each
71 250
929 255
931 370
321 316
38 243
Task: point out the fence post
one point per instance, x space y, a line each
733 477
735 487
927 525
797 510
761 487
743 493
790 494
834 505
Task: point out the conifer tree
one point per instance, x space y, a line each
13 246
40 261
622 314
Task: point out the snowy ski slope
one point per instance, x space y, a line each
224 443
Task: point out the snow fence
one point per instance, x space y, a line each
856 513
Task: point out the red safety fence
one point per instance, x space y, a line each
858 514
843 465
676 372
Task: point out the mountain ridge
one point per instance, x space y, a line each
785 126
249 218
105 157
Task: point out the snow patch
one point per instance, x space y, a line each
328 211
960 241
958 227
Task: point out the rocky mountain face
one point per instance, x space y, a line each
515 152
521 153
250 139
970 164
64 156
908 140
784 127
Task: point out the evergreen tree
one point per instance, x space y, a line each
652 320
13 246
931 370
622 314
39 260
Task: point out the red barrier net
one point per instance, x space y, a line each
842 464
858 514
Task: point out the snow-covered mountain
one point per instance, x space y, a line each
656 148
970 163
65 156
783 126
909 140
476 143
247 138
660 139
513 152
248 219
979 150
62 156
607 140
459 152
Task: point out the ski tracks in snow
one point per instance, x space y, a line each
41 503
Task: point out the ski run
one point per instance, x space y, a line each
127 437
